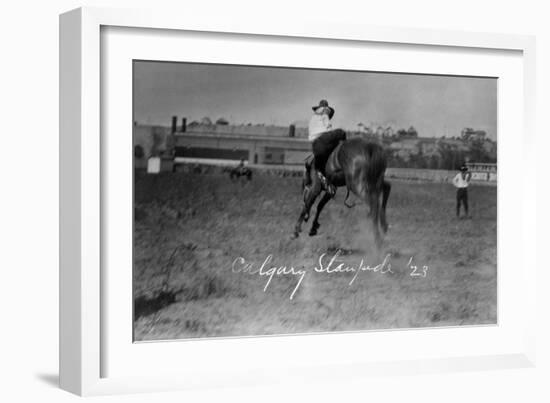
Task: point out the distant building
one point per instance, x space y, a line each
380 130
456 144
281 145
404 149
428 147
256 144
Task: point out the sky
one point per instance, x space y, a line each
434 105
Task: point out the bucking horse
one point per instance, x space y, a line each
360 166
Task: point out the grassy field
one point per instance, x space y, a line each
190 228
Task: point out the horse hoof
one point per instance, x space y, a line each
312 232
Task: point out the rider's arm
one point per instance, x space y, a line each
326 122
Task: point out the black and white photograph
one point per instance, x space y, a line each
272 200
292 201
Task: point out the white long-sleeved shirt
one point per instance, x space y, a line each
462 182
318 124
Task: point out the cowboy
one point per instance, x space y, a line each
461 182
241 166
324 140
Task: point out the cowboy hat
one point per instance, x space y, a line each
463 168
324 104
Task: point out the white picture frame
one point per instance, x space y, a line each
82 176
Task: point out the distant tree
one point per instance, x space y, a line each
434 162
469 134
450 156
418 161
401 162
405 134
206 121
466 133
411 132
222 122
402 133
388 132
478 152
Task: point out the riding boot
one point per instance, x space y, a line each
322 178
329 187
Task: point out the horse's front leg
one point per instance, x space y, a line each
309 198
315 225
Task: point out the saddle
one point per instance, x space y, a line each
308 163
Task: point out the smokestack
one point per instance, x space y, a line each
183 125
174 124
291 131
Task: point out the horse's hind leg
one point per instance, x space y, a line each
374 205
386 188
315 225
309 199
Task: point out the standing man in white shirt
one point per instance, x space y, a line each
324 140
461 182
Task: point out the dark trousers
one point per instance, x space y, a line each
324 145
461 198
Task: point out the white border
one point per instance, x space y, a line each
121 45
80 237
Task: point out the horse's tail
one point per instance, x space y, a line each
374 182
376 166
367 171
